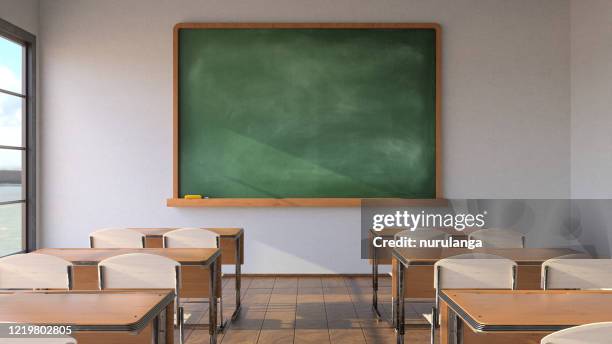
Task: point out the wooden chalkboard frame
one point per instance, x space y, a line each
175 201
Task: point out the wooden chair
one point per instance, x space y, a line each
195 238
143 271
560 273
35 271
116 238
596 333
470 271
499 238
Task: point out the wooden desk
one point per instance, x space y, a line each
416 265
231 243
200 270
383 256
96 317
517 316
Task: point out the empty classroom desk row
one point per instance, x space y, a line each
119 269
491 315
187 265
420 261
229 240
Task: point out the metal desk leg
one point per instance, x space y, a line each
400 304
156 330
458 330
212 311
455 329
222 321
375 282
160 327
238 278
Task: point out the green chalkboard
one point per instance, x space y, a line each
307 112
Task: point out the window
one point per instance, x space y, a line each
17 140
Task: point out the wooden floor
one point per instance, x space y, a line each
305 310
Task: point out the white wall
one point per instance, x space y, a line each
591 82
107 116
591 104
23 13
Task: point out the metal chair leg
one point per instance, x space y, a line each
400 304
181 324
434 322
222 321
393 305
375 284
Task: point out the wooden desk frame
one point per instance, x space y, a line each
453 318
153 239
375 261
212 264
401 265
160 318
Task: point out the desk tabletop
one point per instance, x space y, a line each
85 311
529 310
223 232
92 256
522 256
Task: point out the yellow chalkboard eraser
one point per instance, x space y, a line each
193 196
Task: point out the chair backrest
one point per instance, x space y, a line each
577 274
116 238
596 333
422 234
139 271
35 271
499 238
191 238
475 271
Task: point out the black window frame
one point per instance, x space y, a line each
28 40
